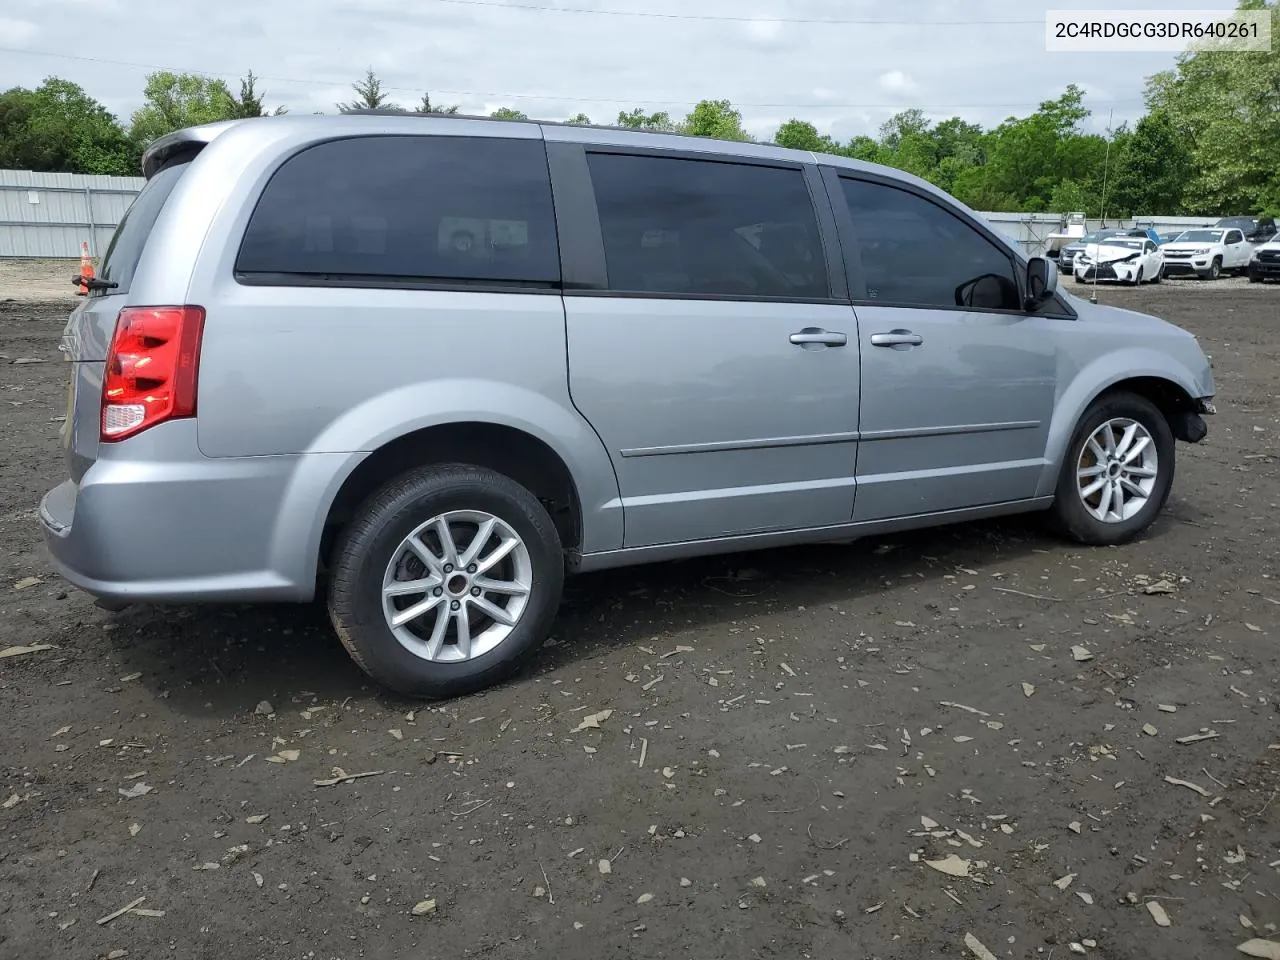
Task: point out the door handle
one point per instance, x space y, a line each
826 338
896 338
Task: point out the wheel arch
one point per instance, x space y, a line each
527 459
1172 391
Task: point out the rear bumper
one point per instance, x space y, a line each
188 530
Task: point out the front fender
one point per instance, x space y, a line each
1098 377
340 448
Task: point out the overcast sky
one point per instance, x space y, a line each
551 63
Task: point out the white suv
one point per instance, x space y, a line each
1207 253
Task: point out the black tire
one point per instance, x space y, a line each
1068 513
1137 281
375 533
1159 277
1215 269
1255 278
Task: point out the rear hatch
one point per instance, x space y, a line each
87 335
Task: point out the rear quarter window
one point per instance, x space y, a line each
125 250
390 210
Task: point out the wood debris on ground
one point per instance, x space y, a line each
977 949
1262 949
22 651
341 776
1174 781
592 721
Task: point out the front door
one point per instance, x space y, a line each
718 369
958 382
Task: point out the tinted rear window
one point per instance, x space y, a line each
125 250
707 228
388 209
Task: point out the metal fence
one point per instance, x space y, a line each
46 216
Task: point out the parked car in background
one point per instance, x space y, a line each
1126 259
1255 229
1164 238
290 379
1067 255
1207 253
1265 263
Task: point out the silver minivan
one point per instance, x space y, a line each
424 367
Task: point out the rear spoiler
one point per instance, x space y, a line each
180 145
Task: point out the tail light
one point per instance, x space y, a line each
150 374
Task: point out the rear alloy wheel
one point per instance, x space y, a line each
1118 471
447 581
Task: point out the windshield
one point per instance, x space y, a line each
1126 243
1201 236
1239 223
1098 235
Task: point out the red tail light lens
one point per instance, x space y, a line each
151 369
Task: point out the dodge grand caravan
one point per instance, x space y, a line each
424 367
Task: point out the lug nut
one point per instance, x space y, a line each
454 605
472 569
448 568
438 591
475 591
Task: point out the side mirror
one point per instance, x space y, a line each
1042 281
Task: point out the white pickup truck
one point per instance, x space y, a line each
1207 252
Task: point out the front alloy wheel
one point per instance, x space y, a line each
1117 470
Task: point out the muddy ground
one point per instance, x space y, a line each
795 737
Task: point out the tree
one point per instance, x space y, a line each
715 118
426 106
579 120
172 101
369 95
508 113
637 119
250 103
1153 169
1225 106
58 128
803 135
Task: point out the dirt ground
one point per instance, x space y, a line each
797 741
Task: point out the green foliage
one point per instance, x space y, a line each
176 100
369 95
250 103
579 120
714 118
509 113
1225 109
637 119
1153 169
59 128
426 106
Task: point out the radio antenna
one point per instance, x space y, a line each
1106 165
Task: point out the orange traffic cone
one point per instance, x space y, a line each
86 269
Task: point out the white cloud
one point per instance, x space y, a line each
844 77
17 33
895 81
